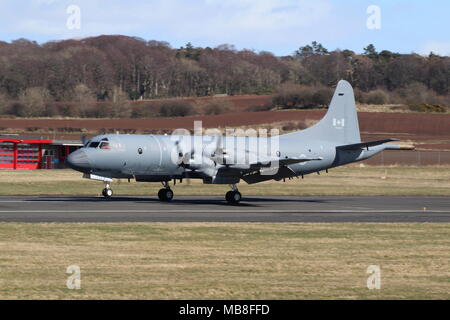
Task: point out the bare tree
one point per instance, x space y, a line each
34 101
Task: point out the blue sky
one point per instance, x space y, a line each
279 26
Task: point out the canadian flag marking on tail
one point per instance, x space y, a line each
338 123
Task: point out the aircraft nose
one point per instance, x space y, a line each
79 161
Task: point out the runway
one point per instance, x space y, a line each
215 209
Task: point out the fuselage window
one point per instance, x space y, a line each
93 144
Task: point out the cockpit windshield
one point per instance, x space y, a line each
102 144
93 144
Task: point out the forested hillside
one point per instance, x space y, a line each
118 68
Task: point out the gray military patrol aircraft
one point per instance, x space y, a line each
332 142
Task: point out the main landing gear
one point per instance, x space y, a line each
233 196
107 192
165 194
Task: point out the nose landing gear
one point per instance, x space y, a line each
107 192
233 196
165 194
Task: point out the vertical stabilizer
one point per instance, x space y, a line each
340 124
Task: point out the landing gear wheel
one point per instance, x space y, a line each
107 193
233 197
169 195
228 196
161 194
165 195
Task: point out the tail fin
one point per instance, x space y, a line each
340 124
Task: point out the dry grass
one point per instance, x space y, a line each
385 108
428 181
224 261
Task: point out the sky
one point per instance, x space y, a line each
278 26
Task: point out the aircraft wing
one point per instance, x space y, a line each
274 163
365 145
289 161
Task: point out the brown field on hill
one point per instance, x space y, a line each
426 131
429 131
238 103
420 124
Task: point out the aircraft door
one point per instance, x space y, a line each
148 156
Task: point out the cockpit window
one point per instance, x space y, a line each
104 145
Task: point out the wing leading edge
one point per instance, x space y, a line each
275 163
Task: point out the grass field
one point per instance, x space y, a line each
224 261
412 181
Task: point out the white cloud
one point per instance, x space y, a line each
206 17
246 23
263 21
441 48
42 2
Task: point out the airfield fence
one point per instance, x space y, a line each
411 158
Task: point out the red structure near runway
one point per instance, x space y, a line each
21 153
33 153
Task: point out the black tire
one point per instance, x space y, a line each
107 193
234 197
168 195
165 195
237 197
162 194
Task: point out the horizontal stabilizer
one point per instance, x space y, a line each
365 145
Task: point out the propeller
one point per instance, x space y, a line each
219 155
206 161
184 159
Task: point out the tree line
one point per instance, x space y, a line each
117 69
